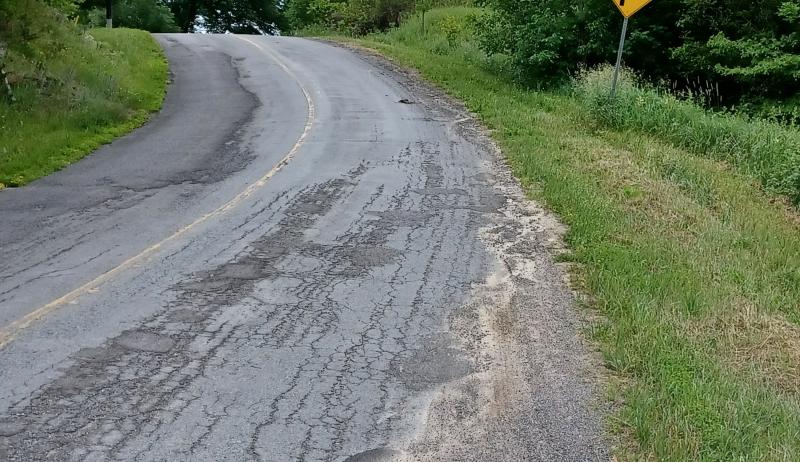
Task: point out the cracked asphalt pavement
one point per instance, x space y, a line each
308 254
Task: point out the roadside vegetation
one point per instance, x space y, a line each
684 234
768 151
69 89
732 54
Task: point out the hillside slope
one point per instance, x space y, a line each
71 90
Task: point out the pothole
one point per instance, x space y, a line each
145 341
435 363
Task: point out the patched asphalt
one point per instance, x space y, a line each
288 263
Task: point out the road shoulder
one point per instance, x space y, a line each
536 388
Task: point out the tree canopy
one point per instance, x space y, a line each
237 16
149 15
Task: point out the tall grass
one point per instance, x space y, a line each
439 24
768 151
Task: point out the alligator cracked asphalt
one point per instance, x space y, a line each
288 263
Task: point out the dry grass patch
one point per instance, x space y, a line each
765 346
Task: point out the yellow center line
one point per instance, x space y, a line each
10 332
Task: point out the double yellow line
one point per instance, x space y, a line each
11 331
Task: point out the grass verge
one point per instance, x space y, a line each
765 150
74 96
695 269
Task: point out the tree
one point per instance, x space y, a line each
237 16
304 13
185 12
149 15
549 40
351 16
757 47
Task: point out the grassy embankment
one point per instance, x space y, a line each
74 91
682 232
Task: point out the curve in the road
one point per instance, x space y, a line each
388 295
9 332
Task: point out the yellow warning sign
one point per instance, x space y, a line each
629 7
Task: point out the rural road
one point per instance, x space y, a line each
288 263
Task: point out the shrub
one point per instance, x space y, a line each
301 14
451 27
149 15
357 17
547 41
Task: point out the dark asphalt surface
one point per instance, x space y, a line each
286 263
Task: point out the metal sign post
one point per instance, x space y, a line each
619 56
628 8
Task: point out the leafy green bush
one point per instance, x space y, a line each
304 13
767 151
357 17
750 46
451 27
149 15
547 41
32 33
